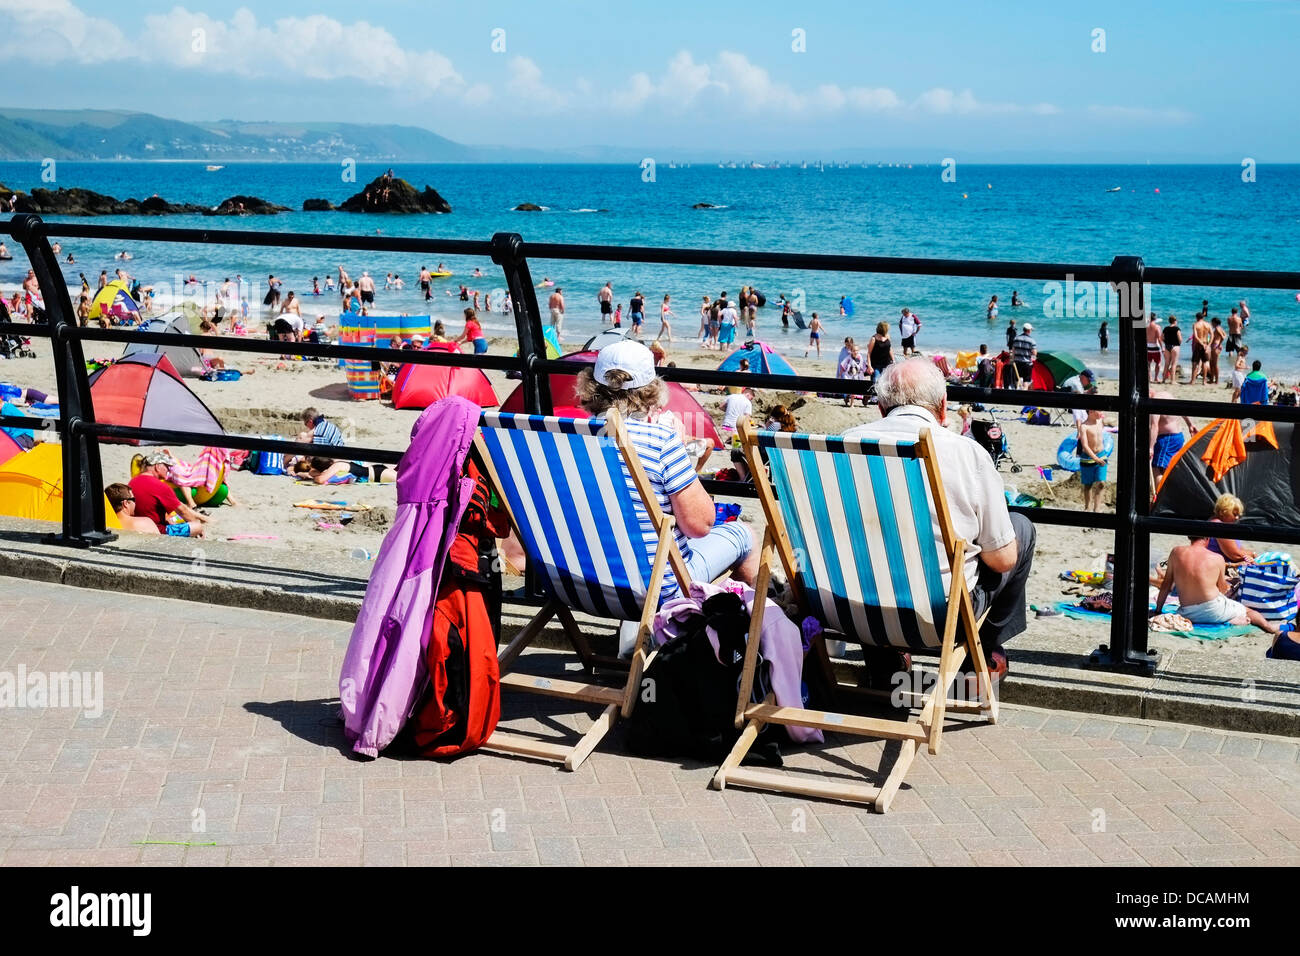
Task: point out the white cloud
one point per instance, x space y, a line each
315 47
1140 114
640 89
736 82
940 100
870 100
943 101
50 31
321 48
751 88
524 84
684 79
478 94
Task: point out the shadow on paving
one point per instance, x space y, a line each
315 721
121 557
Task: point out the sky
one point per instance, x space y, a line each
1141 80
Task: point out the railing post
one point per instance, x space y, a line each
1128 622
83 477
508 253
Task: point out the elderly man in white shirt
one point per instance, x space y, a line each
912 395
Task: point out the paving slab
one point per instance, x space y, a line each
281 788
1050 667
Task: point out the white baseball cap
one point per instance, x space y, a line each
1027 327
627 356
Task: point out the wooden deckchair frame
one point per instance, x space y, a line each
614 700
927 728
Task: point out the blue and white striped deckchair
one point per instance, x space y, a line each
853 523
562 481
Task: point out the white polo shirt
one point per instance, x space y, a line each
976 499
737 407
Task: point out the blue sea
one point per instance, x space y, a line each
1186 216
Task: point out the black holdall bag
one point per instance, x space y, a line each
686 704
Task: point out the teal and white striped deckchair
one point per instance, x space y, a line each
853 523
562 482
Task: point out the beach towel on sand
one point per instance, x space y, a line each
384 667
208 471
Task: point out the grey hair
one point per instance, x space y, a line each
915 381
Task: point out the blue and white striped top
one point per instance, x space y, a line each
327 433
668 466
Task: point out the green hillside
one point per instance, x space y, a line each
27 134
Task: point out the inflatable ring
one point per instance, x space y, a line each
1067 455
215 497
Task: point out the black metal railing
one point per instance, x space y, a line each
1127 277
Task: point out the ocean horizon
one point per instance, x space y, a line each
1173 215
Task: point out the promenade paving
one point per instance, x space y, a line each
1207 683
219 726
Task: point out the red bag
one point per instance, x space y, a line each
462 703
460 706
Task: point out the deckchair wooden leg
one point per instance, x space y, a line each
976 650
945 654
575 635
895 779
641 661
587 744
755 629
525 636
738 752
826 671
653 590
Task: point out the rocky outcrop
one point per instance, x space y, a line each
528 207
245 206
386 194
86 202
705 205
317 205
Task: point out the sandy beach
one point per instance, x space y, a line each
270 396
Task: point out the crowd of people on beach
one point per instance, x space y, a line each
1209 338
723 323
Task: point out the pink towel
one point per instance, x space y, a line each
208 471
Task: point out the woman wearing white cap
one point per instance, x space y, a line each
624 377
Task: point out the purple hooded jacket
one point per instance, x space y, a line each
384 667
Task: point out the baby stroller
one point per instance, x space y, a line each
989 436
15 346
